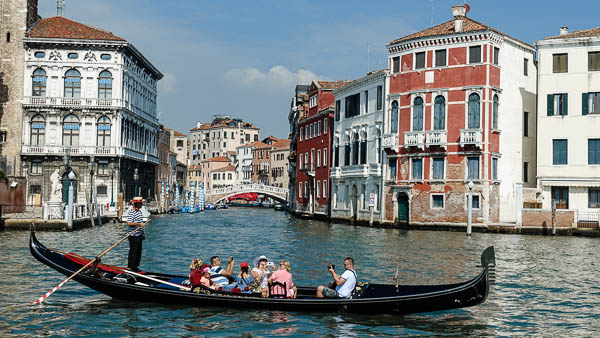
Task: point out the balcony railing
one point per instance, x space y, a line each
390 141
308 168
436 138
470 136
28 149
414 139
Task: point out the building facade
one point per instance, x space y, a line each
89 106
569 120
357 153
223 177
219 137
279 164
462 100
314 150
18 16
261 163
298 107
244 163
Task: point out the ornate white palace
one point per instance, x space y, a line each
90 105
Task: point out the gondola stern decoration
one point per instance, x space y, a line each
488 261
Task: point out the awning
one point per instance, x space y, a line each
570 182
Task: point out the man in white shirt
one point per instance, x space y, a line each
344 284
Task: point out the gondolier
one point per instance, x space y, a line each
134 220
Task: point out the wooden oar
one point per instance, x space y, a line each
159 280
47 294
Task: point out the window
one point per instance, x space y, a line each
475 54
495 112
318 132
593 61
256 137
437 201
347 154
496 56
593 198
475 201
559 152
105 85
102 190
324 189
438 169
366 101
417 169
394 117
336 156
71 130
560 63
417 119
318 189
337 110
560 196
72 83
306 160
39 55
363 150
395 64
305 189
8 37
473 168
73 56
557 104
525 172
440 58
494 168
352 105
214 177
392 164
36 167
103 132
300 189
306 127
439 113
379 97
324 157
525 123
355 150
38 82
594 151
525 67
325 126
179 143
590 103
313 101
105 57
420 60
318 158
103 168
301 133
474 109
38 130
3 136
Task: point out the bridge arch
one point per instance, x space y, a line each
273 196
219 194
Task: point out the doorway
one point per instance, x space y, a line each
354 208
402 207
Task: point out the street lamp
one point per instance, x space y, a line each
469 208
112 184
91 167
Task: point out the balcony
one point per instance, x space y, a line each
470 136
436 138
308 169
390 141
28 149
43 101
414 139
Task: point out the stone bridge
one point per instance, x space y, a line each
218 194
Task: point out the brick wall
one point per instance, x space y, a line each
537 217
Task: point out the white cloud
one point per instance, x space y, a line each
167 83
278 77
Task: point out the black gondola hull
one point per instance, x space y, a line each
378 298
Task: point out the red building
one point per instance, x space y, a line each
314 132
458 93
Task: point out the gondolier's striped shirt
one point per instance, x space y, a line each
134 216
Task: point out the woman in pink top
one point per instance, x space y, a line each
205 280
283 275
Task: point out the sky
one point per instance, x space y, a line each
244 58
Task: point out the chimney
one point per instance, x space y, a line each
564 30
459 12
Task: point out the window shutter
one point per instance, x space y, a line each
584 103
550 104
566 105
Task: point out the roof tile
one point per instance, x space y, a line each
58 27
586 33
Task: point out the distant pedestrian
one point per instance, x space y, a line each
135 221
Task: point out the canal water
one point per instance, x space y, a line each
545 285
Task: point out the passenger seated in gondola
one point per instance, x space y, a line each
283 275
261 273
206 280
344 284
219 275
195 271
244 281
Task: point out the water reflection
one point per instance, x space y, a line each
545 286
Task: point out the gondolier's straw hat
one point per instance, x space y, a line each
137 199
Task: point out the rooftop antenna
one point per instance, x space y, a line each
60 6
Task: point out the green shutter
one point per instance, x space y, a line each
584 103
550 104
566 105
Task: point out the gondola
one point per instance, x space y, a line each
367 298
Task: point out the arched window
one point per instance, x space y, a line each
72 83
394 117
363 149
71 130
336 152
355 146
103 132
38 83
495 113
105 85
378 147
439 113
474 111
417 114
38 130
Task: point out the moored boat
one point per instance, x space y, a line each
368 298
279 207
